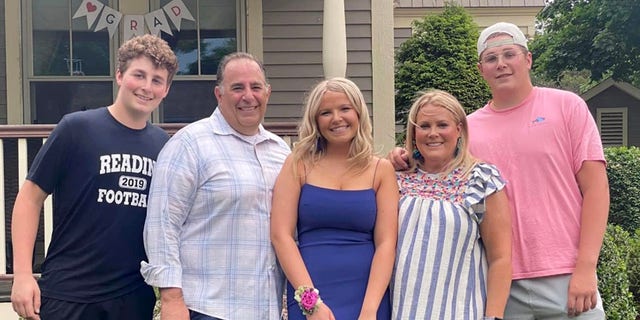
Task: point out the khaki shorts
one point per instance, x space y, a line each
545 298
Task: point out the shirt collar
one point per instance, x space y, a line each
220 126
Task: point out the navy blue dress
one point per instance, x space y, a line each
335 238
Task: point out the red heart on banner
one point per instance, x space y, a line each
91 7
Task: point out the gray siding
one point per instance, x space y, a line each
468 3
292 33
3 68
400 35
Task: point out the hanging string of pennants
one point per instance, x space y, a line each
156 21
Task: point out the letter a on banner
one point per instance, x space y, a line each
156 22
133 26
89 8
109 19
176 10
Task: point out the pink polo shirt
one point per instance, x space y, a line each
539 146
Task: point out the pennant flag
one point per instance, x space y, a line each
133 26
89 8
109 19
176 10
156 22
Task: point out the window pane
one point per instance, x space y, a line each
52 55
52 100
213 49
216 36
50 37
185 44
188 101
217 32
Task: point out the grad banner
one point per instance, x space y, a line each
176 10
156 22
91 9
134 25
109 19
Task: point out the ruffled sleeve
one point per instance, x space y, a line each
484 180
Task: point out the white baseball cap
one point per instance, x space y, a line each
501 27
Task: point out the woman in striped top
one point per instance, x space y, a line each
454 242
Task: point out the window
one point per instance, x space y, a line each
612 123
70 66
200 45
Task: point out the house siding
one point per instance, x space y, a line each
400 35
292 33
468 3
3 69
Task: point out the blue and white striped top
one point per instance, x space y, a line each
440 264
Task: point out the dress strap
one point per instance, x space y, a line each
374 174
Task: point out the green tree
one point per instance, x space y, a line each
577 82
601 36
441 54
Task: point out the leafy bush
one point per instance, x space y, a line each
613 277
633 269
623 169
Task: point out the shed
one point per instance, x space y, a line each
616 107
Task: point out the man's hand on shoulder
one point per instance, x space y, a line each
399 158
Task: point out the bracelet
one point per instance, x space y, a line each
308 299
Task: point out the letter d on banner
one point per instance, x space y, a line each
176 10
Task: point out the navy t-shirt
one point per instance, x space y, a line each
99 172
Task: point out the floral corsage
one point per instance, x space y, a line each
308 299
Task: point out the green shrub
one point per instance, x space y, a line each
613 277
623 169
633 268
156 308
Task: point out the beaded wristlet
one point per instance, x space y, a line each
308 299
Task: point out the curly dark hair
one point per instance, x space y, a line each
149 46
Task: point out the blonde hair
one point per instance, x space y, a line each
443 99
311 145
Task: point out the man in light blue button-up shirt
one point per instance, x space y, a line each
207 227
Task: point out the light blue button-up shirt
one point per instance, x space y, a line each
207 227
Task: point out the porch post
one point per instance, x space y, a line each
334 39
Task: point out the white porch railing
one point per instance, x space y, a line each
18 146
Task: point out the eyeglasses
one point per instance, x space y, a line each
491 59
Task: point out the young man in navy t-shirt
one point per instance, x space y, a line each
98 165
